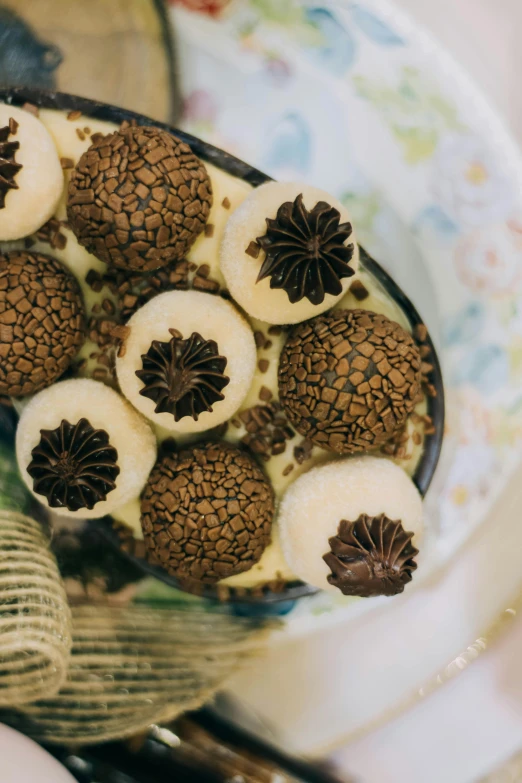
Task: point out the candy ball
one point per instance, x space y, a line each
31 176
138 198
289 252
316 507
207 512
82 449
188 362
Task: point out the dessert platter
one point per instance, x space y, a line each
206 365
433 180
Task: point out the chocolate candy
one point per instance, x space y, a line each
31 176
207 512
82 449
138 198
41 321
348 380
289 252
326 510
189 361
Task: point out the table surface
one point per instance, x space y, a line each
473 724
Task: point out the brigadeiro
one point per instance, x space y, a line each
138 198
41 321
353 525
82 449
174 374
288 252
31 177
348 380
206 512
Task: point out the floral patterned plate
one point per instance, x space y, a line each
352 97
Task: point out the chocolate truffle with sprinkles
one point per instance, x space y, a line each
41 321
206 512
138 198
348 380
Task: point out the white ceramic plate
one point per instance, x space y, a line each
355 98
23 761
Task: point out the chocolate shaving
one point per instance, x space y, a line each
183 377
359 291
305 251
267 430
74 466
253 250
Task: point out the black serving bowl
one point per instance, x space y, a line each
266 594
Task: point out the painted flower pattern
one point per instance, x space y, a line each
211 7
426 183
469 183
489 262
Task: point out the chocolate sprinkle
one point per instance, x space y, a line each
41 321
305 251
359 291
9 168
138 198
253 250
74 466
267 430
183 377
303 451
207 512
349 379
132 289
370 557
265 394
51 233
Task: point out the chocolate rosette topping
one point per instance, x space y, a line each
183 377
9 168
370 557
306 254
74 466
